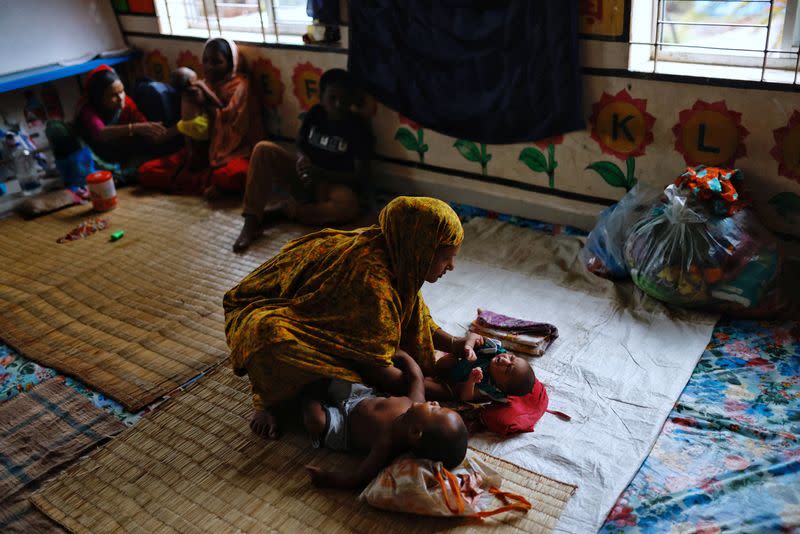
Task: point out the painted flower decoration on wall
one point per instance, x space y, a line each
710 134
156 66
187 59
536 160
412 140
787 148
623 128
474 152
306 84
621 125
268 84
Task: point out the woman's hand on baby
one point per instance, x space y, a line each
208 95
467 349
475 376
194 92
151 130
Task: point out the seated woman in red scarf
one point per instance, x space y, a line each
119 135
235 128
110 122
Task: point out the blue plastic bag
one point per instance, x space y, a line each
75 167
603 253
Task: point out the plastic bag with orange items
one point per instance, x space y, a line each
424 487
701 248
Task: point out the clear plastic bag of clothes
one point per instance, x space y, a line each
603 253
698 251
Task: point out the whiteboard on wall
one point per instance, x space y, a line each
35 33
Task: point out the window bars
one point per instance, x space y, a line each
268 21
735 39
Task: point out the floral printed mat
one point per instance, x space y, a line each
728 457
19 374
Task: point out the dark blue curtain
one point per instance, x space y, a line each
493 72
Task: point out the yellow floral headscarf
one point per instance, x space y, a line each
333 299
414 227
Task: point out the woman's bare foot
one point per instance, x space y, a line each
251 231
264 424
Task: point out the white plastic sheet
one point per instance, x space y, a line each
620 362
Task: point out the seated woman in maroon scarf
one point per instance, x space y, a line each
235 128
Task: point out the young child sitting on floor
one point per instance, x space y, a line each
196 97
328 179
494 374
383 427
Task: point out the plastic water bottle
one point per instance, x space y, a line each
26 171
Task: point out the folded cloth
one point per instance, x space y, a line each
518 335
498 321
522 344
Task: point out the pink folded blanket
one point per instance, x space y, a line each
517 335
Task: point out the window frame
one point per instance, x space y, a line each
202 20
648 53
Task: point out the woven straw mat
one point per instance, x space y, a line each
133 318
42 431
194 466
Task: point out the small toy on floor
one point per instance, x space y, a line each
84 229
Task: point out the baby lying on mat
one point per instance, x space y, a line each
494 374
354 417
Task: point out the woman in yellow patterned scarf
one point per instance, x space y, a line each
334 302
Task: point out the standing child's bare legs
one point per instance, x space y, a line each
270 166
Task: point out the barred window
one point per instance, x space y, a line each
732 39
267 21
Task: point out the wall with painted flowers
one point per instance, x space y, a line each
636 130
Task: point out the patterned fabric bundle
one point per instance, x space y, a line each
422 487
714 187
517 335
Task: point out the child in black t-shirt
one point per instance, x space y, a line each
325 179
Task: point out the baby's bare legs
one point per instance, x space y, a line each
313 417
